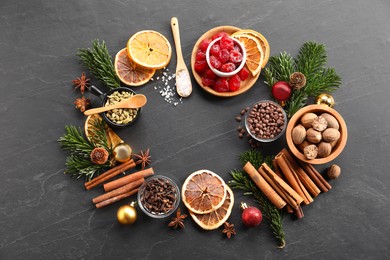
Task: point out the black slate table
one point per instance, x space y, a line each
45 214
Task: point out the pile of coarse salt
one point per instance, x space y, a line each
168 87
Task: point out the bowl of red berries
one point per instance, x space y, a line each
225 56
229 81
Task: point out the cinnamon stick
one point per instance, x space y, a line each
268 191
127 179
118 191
324 186
115 199
292 178
277 188
109 174
293 197
305 179
289 209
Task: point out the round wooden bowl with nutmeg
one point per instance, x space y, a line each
316 134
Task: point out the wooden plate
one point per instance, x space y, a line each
245 85
317 109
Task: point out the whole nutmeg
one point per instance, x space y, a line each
307 119
334 171
310 151
313 136
324 149
304 144
332 121
298 134
333 144
331 135
319 123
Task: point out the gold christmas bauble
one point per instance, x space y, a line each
127 214
122 152
325 99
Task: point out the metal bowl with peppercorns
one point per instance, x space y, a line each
266 121
158 196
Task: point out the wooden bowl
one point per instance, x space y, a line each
245 85
317 109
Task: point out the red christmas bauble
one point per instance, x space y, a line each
281 91
251 216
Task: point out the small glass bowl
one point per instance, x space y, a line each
226 74
141 192
266 140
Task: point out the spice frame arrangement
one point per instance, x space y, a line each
226 61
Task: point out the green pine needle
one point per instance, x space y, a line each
99 62
243 182
311 61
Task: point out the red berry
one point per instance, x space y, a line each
215 62
235 56
220 34
200 55
204 44
237 47
228 67
281 91
226 43
207 82
224 56
244 74
200 66
251 216
215 49
221 85
234 83
209 74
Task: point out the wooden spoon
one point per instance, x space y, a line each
135 101
183 80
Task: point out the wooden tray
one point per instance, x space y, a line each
245 85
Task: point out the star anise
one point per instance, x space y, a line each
82 103
81 83
143 158
178 221
228 229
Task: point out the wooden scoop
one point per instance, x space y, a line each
135 101
183 80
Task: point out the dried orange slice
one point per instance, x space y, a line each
216 218
129 72
254 52
203 192
113 138
263 42
150 49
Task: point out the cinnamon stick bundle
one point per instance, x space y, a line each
116 198
268 191
109 174
280 186
293 178
128 179
118 191
305 179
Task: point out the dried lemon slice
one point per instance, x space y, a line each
203 192
150 49
254 52
216 218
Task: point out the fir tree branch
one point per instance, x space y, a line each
74 141
78 166
243 182
98 134
99 62
280 67
311 59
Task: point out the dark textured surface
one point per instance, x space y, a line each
45 214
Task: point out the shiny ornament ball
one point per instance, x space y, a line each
325 99
127 214
281 91
122 152
250 216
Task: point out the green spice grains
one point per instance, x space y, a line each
120 116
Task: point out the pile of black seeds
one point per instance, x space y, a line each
158 196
